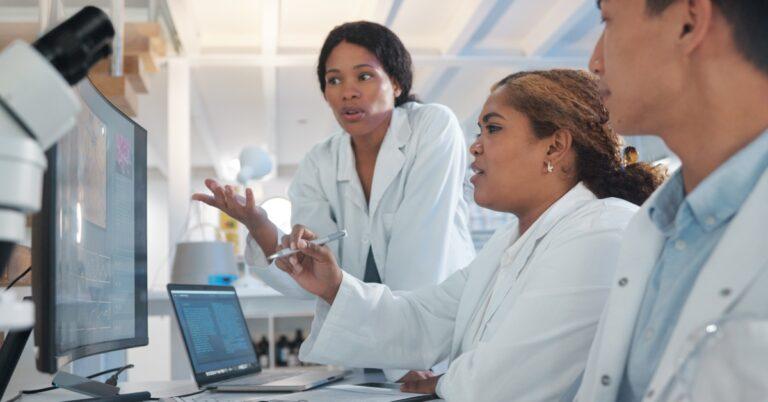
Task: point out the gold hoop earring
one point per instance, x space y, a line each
550 167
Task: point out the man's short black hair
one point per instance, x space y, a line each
749 20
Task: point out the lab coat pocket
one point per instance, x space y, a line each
723 360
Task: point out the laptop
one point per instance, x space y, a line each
219 345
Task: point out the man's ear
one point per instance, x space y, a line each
696 21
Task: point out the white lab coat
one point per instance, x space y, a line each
733 282
536 336
417 220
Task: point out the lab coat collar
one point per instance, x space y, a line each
737 259
389 161
572 200
565 206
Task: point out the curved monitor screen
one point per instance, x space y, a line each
94 222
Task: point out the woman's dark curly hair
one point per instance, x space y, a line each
380 41
569 99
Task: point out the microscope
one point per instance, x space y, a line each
37 107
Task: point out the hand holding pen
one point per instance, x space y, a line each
320 242
315 268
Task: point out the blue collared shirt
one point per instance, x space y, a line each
692 227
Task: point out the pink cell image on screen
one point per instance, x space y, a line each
124 160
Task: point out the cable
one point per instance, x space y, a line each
18 278
112 380
175 397
192 393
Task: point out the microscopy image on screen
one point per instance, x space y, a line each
95 249
93 145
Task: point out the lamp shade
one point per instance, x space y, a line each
255 163
195 261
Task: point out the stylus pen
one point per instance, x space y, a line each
321 241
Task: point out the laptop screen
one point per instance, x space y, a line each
215 333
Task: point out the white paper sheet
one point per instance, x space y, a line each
346 393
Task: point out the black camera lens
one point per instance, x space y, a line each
74 46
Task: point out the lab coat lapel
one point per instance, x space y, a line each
391 158
346 172
737 259
563 207
481 272
641 247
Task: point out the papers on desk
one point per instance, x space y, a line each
352 393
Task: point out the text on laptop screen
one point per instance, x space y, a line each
215 332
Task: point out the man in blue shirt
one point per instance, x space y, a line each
694 72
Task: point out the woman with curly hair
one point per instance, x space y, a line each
518 321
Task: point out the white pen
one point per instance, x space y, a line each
321 241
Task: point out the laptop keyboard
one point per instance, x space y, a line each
261 378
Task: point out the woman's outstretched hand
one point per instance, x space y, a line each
241 208
314 268
244 210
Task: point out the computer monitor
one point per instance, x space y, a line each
89 241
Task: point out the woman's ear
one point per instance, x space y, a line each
396 88
559 144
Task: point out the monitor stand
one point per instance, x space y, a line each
98 390
9 356
83 385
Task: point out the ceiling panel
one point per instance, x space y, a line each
304 24
581 39
227 23
423 26
509 31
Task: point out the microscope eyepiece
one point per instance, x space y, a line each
78 43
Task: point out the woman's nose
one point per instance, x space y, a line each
350 92
476 148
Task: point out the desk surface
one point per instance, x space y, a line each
167 389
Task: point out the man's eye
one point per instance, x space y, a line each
492 129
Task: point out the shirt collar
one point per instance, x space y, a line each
716 199
665 205
398 134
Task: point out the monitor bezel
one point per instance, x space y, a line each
49 360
